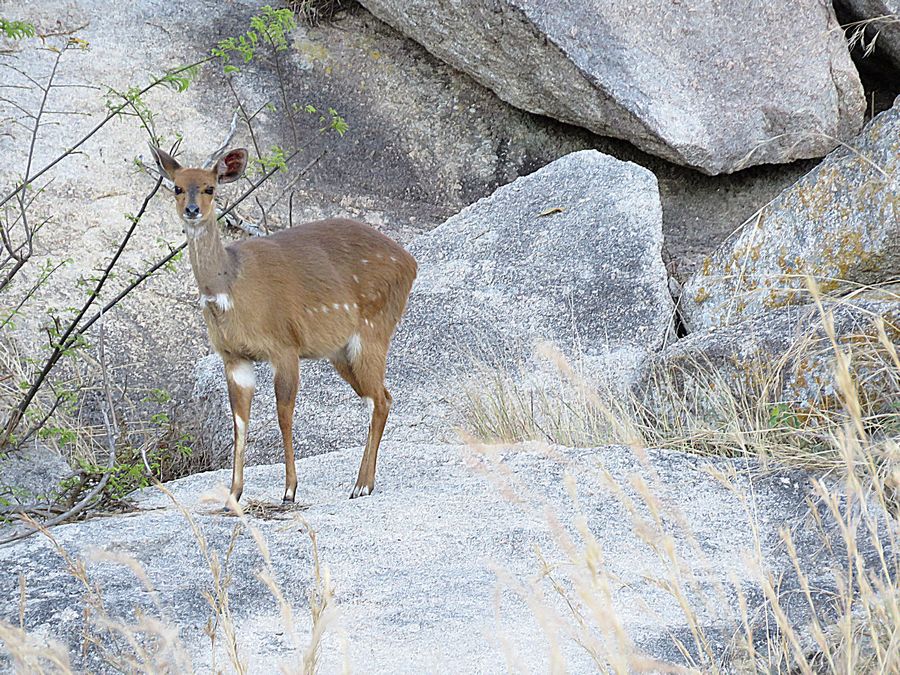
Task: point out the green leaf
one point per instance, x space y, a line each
16 30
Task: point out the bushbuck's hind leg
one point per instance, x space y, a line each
287 378
342 366
241 378
366 376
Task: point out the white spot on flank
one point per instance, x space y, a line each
365 261
244 375
346 307
393 259
354 347
324 309
336 306
221 300
355 279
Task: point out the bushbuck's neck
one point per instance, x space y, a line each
213 267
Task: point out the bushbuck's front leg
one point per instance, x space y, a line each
241 379
287 378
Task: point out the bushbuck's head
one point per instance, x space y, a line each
195 189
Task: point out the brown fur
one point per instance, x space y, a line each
315 291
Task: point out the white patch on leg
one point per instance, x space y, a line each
243 375
354 347
241 436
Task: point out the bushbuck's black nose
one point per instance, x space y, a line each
191 211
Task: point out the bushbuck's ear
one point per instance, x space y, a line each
232 165
166 163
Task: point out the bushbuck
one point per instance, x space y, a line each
331 289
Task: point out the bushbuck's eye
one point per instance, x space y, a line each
178 190
209 190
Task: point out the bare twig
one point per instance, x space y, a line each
71 334
223 146
112 436
40 113
248 119
42 279
112 114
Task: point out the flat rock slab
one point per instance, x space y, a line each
677 81
569 254
430 571
838 224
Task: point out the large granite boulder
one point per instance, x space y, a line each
839 224
569 254
439 569
678 81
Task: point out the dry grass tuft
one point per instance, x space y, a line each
698 407
315 12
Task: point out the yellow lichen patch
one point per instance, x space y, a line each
844 251
782 298
310 51
800 371
701 295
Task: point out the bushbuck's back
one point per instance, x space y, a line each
313 288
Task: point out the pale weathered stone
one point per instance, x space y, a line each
681 80
423 570
31 474
839 224
569 254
